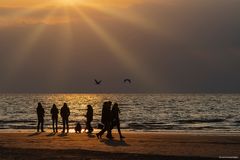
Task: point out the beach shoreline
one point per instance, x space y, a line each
139 145
128 131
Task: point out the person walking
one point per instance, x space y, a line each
54 113
115 118
65 113
89 117
106 120
40 115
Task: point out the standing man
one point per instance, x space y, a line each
65 112
40 114
54 113
89 117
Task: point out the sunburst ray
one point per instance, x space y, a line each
119 51
129 17
64 57
23 50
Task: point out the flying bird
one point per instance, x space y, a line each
98 82
127 80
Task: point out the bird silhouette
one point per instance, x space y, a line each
127 80
98 82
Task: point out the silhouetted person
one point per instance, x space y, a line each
65 112
106 120
78 128
40 114
89 117
54 113
115 118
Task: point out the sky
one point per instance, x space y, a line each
163 46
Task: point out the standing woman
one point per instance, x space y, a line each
40 114
65 113
54 112
116 120
89 117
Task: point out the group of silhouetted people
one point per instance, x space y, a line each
110 119
65 113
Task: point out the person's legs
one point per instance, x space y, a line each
67 125
102 132
38 125
53 124
90 127
87 125
109 130
119 130
42 123
56 124
99 135
64 121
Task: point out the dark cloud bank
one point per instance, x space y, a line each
195 49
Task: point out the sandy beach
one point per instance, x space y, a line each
136 146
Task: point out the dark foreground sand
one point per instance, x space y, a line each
136 146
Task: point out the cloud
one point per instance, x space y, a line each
37 3
192 46
28 12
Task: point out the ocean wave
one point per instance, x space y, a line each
200 121
16 121
139 112
152 126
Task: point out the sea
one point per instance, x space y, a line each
139 112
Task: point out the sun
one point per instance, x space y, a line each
70 2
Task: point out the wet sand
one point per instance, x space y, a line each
134 146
